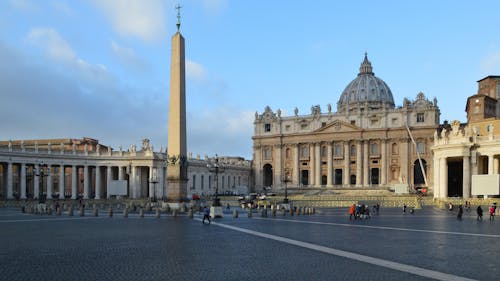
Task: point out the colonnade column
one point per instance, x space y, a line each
49 181
36 182
466 191
23 181
161 182
359 165
383 172
443 183
347 171
437 177
74 173
108 179
61 182
121 175
86 182
491 164
311 164
329 179
98 182
151 188
132 182
296 169
317 156
10 182
366 156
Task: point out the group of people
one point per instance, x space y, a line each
362 211
479 210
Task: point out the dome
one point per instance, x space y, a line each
366 91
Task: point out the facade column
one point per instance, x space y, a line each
74 182
49 181
109 179
98 182
10 182
259 183
495 165
296 167
317 155
359 165
366 156
277 149
491 164
161 182
329 176
86 186
311 164
443 169
347 171
36 181
61 182
383 159
23 181
466 191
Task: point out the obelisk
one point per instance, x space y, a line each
177 163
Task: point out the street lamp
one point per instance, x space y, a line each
286 180
40 172
216 168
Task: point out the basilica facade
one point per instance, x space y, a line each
369 142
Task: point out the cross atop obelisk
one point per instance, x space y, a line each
177 147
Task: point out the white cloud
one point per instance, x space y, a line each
214 7
128 57
195 71
55 46
491 63
62 7
137 18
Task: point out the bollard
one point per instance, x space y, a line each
110 212
274 212
174 212
141 213
23 209
70 211
235 214
157 213
49 211
96 212
313 211
249 213
82 212
190 213
292 212
59 211
125 212
298 211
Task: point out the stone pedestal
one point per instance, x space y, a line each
216 212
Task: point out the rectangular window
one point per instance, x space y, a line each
202 181
267 153
303 126
338 150
267 127
375 149
420 147
353 122
194 182
394 121
209 182
304 152
287 128
420 117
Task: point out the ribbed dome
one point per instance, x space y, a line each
366 90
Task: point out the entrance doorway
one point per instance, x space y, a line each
374 176
304 177
455 179
338 177
268 175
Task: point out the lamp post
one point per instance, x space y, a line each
216 169
40 172
285 179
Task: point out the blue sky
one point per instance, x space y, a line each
100 69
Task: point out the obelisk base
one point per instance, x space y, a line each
177 190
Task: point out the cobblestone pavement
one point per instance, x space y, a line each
430 244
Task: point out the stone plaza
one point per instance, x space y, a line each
430 244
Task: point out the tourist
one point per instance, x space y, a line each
479 212
450 206
492 212
352 212
206 215
404 208
460 212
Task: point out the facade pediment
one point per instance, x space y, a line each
337 126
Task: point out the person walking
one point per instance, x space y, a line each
206 215
492 212
479 212
460 212
404 208
352 212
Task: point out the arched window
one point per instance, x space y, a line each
375 149
394 148
353 150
